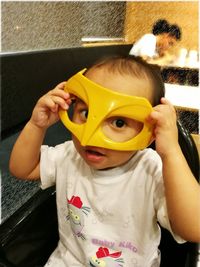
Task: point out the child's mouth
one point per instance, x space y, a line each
93 152
94 155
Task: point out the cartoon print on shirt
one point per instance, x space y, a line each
104 258
76 215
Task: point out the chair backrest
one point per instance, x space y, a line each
189 149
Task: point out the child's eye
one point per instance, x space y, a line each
84 113
119 123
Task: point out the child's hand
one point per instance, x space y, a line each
45 112
165 129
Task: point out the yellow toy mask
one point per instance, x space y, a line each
103 104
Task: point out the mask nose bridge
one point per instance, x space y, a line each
98 111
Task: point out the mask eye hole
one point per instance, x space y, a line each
121 129
70 110
78 110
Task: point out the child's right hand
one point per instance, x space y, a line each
45 112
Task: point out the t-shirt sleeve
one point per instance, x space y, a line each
47 166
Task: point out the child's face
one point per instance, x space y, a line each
165 42
117 128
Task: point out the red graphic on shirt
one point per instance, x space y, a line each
107 259
76 201
104 252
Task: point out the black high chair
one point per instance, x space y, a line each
30 235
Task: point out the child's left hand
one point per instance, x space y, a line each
165 128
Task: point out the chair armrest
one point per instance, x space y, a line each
30 235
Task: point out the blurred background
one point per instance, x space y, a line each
48 25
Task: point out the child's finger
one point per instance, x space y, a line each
165 101
155 117
60 102
47 103
61 86
59 91
51 102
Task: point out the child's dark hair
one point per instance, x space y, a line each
136 67
175 31
163 26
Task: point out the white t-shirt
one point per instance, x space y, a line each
145 46
106 218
